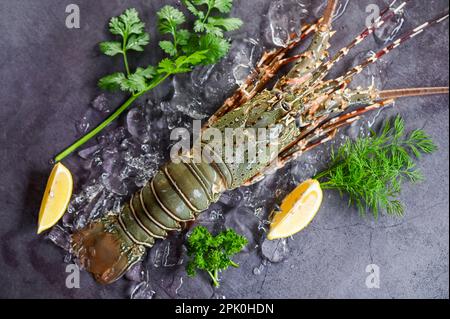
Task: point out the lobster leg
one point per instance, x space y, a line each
317 134
265 70
314 55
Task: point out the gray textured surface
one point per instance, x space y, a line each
48 75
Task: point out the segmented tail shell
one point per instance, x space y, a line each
176 195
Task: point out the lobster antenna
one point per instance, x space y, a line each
409 35
398 93
328 15
386 14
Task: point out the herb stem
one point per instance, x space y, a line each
207 14
124 53
125 61
214 276
79 143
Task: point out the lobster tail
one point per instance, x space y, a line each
178 193
105 250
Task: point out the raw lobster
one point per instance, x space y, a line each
304 108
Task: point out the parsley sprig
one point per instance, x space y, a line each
213 254
371 170
202 44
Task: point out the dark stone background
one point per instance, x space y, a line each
48 77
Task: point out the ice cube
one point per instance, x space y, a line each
285 17
60 237
137 125
275 250
101 104
143 290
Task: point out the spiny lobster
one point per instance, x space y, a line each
308 109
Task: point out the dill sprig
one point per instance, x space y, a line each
371 170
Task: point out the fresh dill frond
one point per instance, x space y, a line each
371 170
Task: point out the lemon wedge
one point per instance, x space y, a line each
56 197
297 210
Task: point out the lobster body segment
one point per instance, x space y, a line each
265 128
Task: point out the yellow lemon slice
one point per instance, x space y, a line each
56 198
297 210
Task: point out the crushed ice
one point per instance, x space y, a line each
123 159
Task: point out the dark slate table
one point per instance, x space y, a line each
48 77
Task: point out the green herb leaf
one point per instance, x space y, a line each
187 49
112 82
166 66
213 254
137 42
148 73
168 47
198 13
224 6
134 84
371 170
169 19
127 23
217 48
111 48
228 24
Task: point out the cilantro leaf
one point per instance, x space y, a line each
168 47
224 6
201 45
169 19
217 47
111 48
127 24
112 82
196 12
228 24
182 64
148 73
137 42
183 37
134 84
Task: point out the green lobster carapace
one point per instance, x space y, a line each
305 109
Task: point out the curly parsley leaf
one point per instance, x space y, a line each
213 254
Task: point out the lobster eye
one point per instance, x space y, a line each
298 122
285 106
